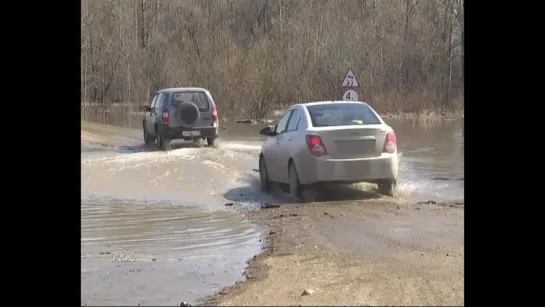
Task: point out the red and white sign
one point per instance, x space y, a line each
350 79
350 84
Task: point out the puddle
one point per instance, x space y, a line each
159 252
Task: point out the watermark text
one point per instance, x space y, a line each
123 256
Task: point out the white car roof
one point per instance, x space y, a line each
182 89
307 104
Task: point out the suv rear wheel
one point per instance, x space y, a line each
161 142
212 142
148 139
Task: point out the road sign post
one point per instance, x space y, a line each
350 86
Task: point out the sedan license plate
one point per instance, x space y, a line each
191 133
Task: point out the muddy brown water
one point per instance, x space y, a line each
155 230
158 253
432 157
432 162
162 215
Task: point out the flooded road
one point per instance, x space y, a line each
431 163
155 229
142 253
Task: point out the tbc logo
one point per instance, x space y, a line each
123 256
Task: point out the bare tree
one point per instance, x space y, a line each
256 56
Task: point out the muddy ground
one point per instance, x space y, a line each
370 252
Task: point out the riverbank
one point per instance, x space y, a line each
372 252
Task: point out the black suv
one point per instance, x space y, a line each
187 113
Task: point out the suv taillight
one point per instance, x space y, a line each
165 116
316 146
214 114
390 144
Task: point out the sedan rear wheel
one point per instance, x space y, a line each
264 176
387 187
295 185
148 139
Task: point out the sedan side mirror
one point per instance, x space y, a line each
267 131
145 108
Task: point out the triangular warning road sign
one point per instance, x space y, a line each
350 80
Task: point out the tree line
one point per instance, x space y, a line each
259 55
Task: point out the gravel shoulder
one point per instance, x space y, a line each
373 252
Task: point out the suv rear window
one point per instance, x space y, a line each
197 97
342 114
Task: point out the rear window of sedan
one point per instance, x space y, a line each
342 114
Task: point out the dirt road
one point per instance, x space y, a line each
371 251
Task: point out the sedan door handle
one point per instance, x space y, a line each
289 140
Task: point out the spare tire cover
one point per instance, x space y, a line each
188 113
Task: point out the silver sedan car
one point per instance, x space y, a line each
326 142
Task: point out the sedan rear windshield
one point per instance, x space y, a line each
342 114
197 97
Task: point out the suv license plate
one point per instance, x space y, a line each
191 133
